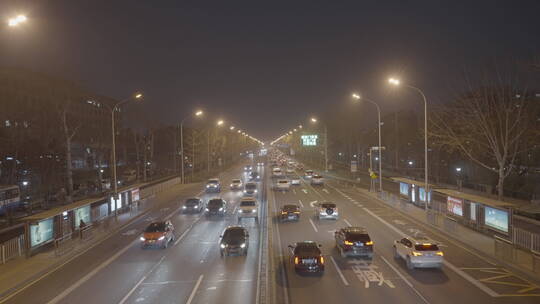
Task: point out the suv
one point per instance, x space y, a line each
213 185
236 184
234 240
248 168
309 173
418 253
248 209
283 185
290 213
216 206
354 241
327 211
254 176
317 180
306 256
276 172
250 189
158 234
193 204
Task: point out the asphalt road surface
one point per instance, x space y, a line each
191 270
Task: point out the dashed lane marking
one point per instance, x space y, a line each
305 191
343 279
347 222
301 204
325 190
313 225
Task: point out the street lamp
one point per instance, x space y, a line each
136 96
231 128
358 97
397 82
15 21
197 114
220 122
314 120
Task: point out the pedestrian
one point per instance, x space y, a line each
82 224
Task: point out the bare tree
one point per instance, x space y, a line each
69 129
489 125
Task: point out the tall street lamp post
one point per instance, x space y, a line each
397 82
314 120
197 114
358 97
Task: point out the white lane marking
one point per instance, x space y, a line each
405 280
312 204
324 190
339 271
305 191
473 281
301 204
280 248
130 232
446 263
89 275
313 224
294 191
192 295
124 299
347 222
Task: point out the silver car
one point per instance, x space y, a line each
418 253
327 211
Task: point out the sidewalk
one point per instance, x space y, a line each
519 260
21 271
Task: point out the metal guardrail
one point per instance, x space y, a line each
526 239
63 245
12 248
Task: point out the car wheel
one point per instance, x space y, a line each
396 255
342 252
410 265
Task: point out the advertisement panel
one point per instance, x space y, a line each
496 218
354 166
404 189
135 195
83 214
41 232
422 194
473 211
309 140
454 205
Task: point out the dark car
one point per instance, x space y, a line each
354 241
306 256
213 185
193 205
216 206
234 240
158 234
290 213
254 176
248 168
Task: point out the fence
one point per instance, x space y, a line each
63 245
12 248
151 190
526 239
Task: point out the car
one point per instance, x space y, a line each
158 234
248 208
248 168
327 210
283 185
306 256
317 180
308 173
250 189
418 253
213 185
234 240
260 164
354 241
254 176
289 212
276 172
236 184
289 171
194 205
295 181
216 206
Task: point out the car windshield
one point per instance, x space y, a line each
192 202
233 234
236 181
283 182
251 186
215 203
290 208
155 227
357 237
247 203
317 176
328 205
426 247
310 249
213 181
254 174
309 171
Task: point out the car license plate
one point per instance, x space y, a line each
291 217
308 261
360 244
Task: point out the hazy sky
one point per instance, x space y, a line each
265 65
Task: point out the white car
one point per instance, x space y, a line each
317 180
283 185
328 211
309 173
248 209
236 184
276 172
250 189
289 171
418 253
295 181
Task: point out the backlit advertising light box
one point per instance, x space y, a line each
404 189
454 206
309 140
496 218
41 232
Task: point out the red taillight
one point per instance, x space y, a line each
349 243
296 260
321 259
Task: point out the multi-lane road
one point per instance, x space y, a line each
190 271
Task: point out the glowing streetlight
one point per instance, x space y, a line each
394 81
138 96
220 122
199 113
231 128
300 127
313 119
15 21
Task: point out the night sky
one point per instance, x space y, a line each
266 67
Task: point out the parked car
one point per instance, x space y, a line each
306 256
234 240
418 253
354 241
158 234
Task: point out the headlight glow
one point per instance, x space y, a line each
243 245
222 246
161 238
206 209
255 191
184 207
221 209
254 210
245 191
142 239
207 186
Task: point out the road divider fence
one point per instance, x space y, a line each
12 248
63 245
